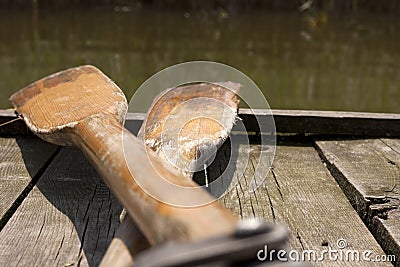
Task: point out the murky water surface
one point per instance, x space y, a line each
300 61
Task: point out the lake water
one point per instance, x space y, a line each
300 61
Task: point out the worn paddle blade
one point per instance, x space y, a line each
56 103
186 125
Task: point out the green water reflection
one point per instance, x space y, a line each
300 61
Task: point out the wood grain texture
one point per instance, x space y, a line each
369 173
52 106
21 160
62 98
326 122
300 192
186 125
68 219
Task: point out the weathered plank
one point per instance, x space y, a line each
369 173
300 192
22 160
314 122
67 219
326 122
286 121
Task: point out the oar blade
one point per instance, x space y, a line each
58 102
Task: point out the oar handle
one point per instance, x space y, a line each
103 140
127 242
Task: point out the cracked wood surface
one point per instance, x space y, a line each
20 163
301 193
61 234
68 219
369 174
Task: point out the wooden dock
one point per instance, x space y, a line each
335 178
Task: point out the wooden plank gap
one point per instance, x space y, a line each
357 201
368 172
18 201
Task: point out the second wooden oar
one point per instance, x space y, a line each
83 107
205 119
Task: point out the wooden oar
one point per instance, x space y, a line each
83 107
186 125
204 120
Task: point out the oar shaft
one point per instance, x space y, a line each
103 141
127 242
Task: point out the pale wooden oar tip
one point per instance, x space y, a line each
20 97
63 99
233 86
